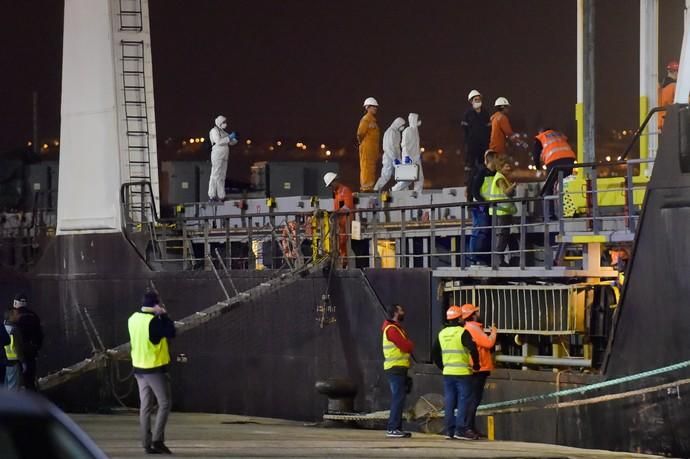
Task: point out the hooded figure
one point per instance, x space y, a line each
411 153
391 151
220 141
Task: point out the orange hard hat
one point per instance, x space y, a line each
453 312
468 310
672 65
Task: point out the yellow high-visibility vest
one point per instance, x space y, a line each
10 349
495 194
456 359
392 355
145 354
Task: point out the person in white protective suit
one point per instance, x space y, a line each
220 141
391 152
411 152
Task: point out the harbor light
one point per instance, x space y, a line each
328 152
191 140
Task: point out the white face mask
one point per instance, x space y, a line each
477 105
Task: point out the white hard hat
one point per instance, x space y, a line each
329 177
501 101
370 101
472 94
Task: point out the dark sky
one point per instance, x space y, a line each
301 68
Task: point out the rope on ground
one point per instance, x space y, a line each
587 388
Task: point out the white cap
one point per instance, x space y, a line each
474 93
501 101
370 101
329 177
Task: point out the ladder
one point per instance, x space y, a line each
131 18
136 124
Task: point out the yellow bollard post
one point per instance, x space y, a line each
490 428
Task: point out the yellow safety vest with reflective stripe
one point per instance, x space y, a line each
10 350
392 355
456 358
495 194
145 354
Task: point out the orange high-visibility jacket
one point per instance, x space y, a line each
500 131
484 344
554 146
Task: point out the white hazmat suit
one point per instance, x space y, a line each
220 141
391 151
411 150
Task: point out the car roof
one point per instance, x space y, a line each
22 403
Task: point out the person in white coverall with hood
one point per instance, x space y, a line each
411 153
220 141
391 152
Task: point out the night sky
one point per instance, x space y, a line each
301 68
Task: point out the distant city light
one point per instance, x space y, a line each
517 163
249 141
191 140
323 146
279 143
299 144
440 151
422 149
544 167
45 146
184 142
304 147
625 132
271 148
619 158
328 152
202 140
608 158
29 143
56 143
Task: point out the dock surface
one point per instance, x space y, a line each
223 436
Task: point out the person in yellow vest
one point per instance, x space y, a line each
480 241
368 138
452 352
150 328
397 348
13 351
4 342
501 189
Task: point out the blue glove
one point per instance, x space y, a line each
396 162
408 160
232 136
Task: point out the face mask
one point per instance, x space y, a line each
401 317
476 105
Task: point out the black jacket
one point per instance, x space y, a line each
467 341
477 130
4 341
29 325
478 181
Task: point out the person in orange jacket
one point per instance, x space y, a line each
470 314
501 130
668 89
368 138
343 202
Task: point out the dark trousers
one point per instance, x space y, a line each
457 391
398 384
478 380
480 240
2 372
29 374
552 178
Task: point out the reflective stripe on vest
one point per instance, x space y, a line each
10 350
145 354
456 359
392 355
495 194
486 187
554 146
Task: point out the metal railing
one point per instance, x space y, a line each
430 235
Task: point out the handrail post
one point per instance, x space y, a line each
494 220
523 222
629 198
463 239
403 241
548 253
